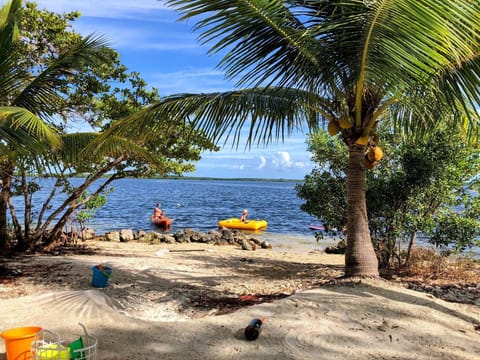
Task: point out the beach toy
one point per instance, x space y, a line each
76 349
53 351
85 347
100 276
18 341
49 345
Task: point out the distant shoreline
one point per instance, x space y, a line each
81 176
203 178
225 179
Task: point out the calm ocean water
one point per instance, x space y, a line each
200 204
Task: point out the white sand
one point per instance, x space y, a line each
365 320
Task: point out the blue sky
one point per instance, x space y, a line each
168 56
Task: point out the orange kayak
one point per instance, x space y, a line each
163 222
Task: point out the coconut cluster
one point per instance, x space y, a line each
373 154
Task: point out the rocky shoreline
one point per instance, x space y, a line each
221 237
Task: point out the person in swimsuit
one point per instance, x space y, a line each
158 212
243 218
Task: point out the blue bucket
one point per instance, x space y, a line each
100 276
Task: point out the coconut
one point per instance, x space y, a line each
333 128
378 153
363 140
345 122
374 153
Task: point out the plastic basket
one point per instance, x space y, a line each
49 346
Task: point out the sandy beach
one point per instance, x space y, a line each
193 301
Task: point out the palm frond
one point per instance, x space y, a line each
9 20
265 35
9 13
105 145
268 114
31 130
74 144
415 41
337 48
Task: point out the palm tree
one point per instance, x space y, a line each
345 63
30 98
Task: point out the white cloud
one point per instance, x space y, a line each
263 162
155 37
282 160
274 164
240 167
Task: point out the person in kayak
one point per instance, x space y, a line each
243 218
158 213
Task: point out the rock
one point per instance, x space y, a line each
155 238
141 235
112 236
169 239
215 234
221 237
221 242
126 235
247 245
265 245
179 236
255 241
227 235
211 238
338 249
87 234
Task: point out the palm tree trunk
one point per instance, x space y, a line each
16 224
360 258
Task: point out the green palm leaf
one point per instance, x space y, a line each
8 35
107 145
264 34
267 113
19 127
336 47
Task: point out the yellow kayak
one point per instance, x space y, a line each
235 223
